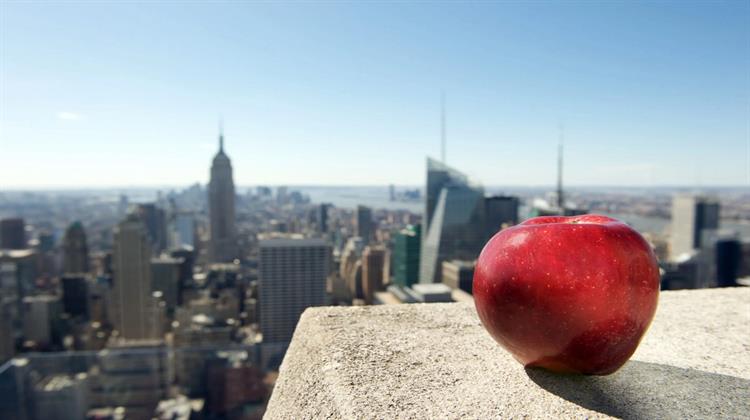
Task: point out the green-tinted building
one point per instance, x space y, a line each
405 256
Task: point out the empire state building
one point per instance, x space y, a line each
223 244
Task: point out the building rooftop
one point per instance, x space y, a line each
437 361
428 288
286 242
165 259
17 253
57 382
459 295
41 298
460 263
386 298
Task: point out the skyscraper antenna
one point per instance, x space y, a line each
442 126
221 134
560 197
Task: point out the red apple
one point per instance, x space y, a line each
569 294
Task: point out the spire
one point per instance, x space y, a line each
560 197
221 135
442 126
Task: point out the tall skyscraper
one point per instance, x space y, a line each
7 336
187 258
354 281
45 242
122 205
223 244
350 266
555 204
182 230
292 275
364 223
165 278
500 211
12 234
133 311
560 194
75 295
18 274
75 250
321 217
692 217
728 259
454 223
155 221
373 271
40 314
405 256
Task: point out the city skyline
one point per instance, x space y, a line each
312 95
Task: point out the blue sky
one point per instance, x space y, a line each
129 94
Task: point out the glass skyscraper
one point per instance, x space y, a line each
405 257
454 223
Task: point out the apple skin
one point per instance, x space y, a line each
568 294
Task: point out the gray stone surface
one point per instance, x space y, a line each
437 361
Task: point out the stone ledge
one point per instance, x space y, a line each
437 361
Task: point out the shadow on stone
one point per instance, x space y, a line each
650 390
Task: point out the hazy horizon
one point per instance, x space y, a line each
156 187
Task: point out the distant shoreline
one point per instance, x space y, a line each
490 188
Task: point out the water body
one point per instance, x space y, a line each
662 226
644 223
350 197
378 197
